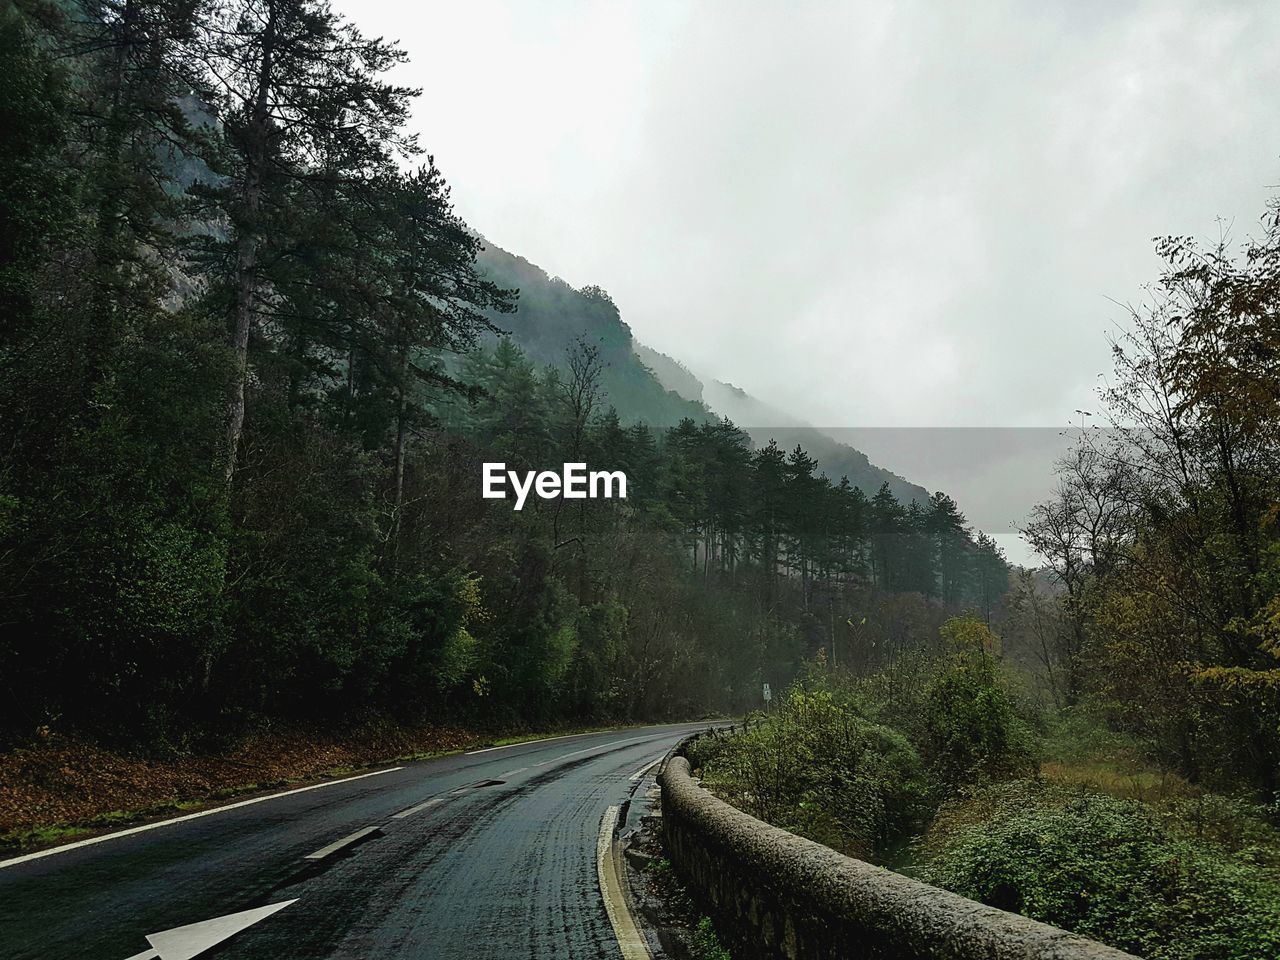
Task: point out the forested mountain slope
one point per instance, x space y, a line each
252 369
646 386
764 423
550 315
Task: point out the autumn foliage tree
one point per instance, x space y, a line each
1164 533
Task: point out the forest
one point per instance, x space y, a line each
251 365
252 362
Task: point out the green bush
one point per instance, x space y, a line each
704 944
971 730
1241 826
818 768
1107 868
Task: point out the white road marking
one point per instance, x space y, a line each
190 816
418 809
630 940
343 843
145 955
526 743
598 746
183 943
511 773
570 736
645 769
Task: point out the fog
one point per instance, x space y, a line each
869 215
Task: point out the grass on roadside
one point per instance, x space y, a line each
29 838
1081 752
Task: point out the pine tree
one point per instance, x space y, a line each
951 548
768 513
803 492
289 77
889 532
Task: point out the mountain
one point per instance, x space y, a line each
764 423
646 385
671 373
551 315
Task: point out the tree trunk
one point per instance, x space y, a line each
397 498
108 253
247 240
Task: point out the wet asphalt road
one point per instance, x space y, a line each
494 857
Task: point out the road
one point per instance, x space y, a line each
490 854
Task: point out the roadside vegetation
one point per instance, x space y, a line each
1183 879
862 764
948 771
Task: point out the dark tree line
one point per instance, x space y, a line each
245 412
736 511
757 533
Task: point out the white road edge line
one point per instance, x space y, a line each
630 940
190 816
529 743
645 769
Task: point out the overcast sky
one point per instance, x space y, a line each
868 214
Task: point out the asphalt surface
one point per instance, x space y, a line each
493 856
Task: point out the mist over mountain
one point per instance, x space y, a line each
551 315
764 422
645 385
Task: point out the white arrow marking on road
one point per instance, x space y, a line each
183 943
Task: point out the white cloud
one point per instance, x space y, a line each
907 214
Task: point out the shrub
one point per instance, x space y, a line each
970 729
1107 868
1082 751
704 944
818 768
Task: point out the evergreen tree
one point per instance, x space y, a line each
768 514
889 531
292 81
951 548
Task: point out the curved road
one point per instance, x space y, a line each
490 854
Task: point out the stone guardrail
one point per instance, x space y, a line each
774 895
